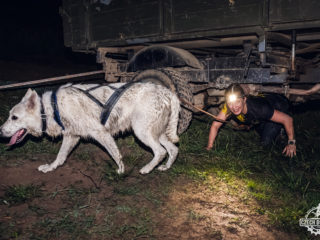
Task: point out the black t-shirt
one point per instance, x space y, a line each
261 108
258 109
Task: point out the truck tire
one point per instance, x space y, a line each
178 84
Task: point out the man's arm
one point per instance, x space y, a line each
287 122
214 129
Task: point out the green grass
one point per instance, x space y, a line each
286 188
194 216
126 190
76 226
20 194
30 149
126 222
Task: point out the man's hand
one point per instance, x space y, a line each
208 148
290 150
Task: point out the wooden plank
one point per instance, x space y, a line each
283 11
206 15
124 19
127 22
49 80
74 23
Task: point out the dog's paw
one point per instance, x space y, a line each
120 171
163 167
145 170
45 168
175 139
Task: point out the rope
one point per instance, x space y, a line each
201 110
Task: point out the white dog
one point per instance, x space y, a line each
150 110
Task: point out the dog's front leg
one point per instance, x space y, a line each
107 141
68 144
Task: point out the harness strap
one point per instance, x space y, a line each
86 92
56 109
108 106
113 88
43 117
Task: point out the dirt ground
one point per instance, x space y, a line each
176 207
189 211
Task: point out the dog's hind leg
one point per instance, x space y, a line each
107 141
172 151
68 144
159 152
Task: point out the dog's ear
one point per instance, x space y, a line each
28 94
31 103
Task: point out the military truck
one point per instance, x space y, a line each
198 47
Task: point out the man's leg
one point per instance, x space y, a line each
269 132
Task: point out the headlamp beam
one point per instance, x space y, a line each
233 97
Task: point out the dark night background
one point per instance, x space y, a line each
32 27
31 43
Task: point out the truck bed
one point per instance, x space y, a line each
108 23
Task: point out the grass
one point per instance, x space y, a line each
76 226
21 193
271 178
31 149
194 216
129 191
125 222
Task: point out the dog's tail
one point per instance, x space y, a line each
172 127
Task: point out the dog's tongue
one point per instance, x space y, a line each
14 138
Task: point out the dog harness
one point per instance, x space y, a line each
106 108
113 99
55 107
43 117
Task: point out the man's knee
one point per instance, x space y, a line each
270 133
266 140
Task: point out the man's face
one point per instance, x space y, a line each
236 106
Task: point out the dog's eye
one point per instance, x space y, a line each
14 117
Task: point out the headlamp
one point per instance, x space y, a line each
232 98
